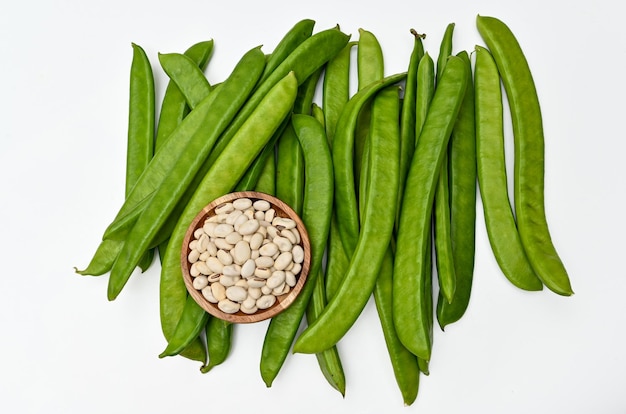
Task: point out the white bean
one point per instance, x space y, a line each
259 215
233 216
233 237
208 228
228 306
247 269
296 268
232 270
266 290
297 234
261 205
193 256
290 278
283 261
221 230
284 222
298 253
193 270
211 249
218 290
214 277
200 282
203 268
265 301
239 221
270 214
224 208
262 272
276 279
268 249
249 227
288 234
223 244
242 203
236 293
207 292
241 252
284 245
256 282
254 292
247 310
214 265
264 261
256 240
224 257
228 281
198 232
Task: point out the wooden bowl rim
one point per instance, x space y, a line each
283 301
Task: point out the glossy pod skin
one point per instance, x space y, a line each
410 311
529 154
499 219
186 74
375 235
462 187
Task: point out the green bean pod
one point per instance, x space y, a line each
232 163
193 320
223 106
408 111
290 170
141 111
336 88
219 341
379 215
412 242
403 362
294 37
267 180
529 165
462 169
316 214
174 105
441 210
425 92
370 68
346 205
502 231
186 74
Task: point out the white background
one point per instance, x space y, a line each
64 348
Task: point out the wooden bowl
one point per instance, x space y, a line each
282 301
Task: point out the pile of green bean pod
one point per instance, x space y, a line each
385 178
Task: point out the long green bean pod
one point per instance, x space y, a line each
412 241
529 165
316 214
502 231
357 286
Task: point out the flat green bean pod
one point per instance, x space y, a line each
358 284
186 74
219 341
410 311
316 214
529 168
503 235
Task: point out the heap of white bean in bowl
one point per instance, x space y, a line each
245 255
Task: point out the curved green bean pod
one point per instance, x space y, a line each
224 104
403 362
186 74
232 163
219 341
503 235
193 320
346 205
358 284
425 91
316 214
267 180
174 105
409 308
462 168
529 154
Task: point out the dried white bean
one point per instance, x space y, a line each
283 261
266 290
272 231
207 292
247 310
200 282
239 221
256 282
259 215
296 233
233 216
262 272
224 257
247 269
250 213
193 256
214 277
284 245
265 301
264 261
223 229
227 281
203 268
236 293
242 203
228 306
193 270
218 290
249 227
286 233
211 249
256 240
254 254
290 278
232 270
223 244
243 283
268 249
280 290
233 237
261 205
198 233
214 265
296 268
241 252
270 214
254 292
284 222
224 208
249 302
298 253
276 279
193 244
203 256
